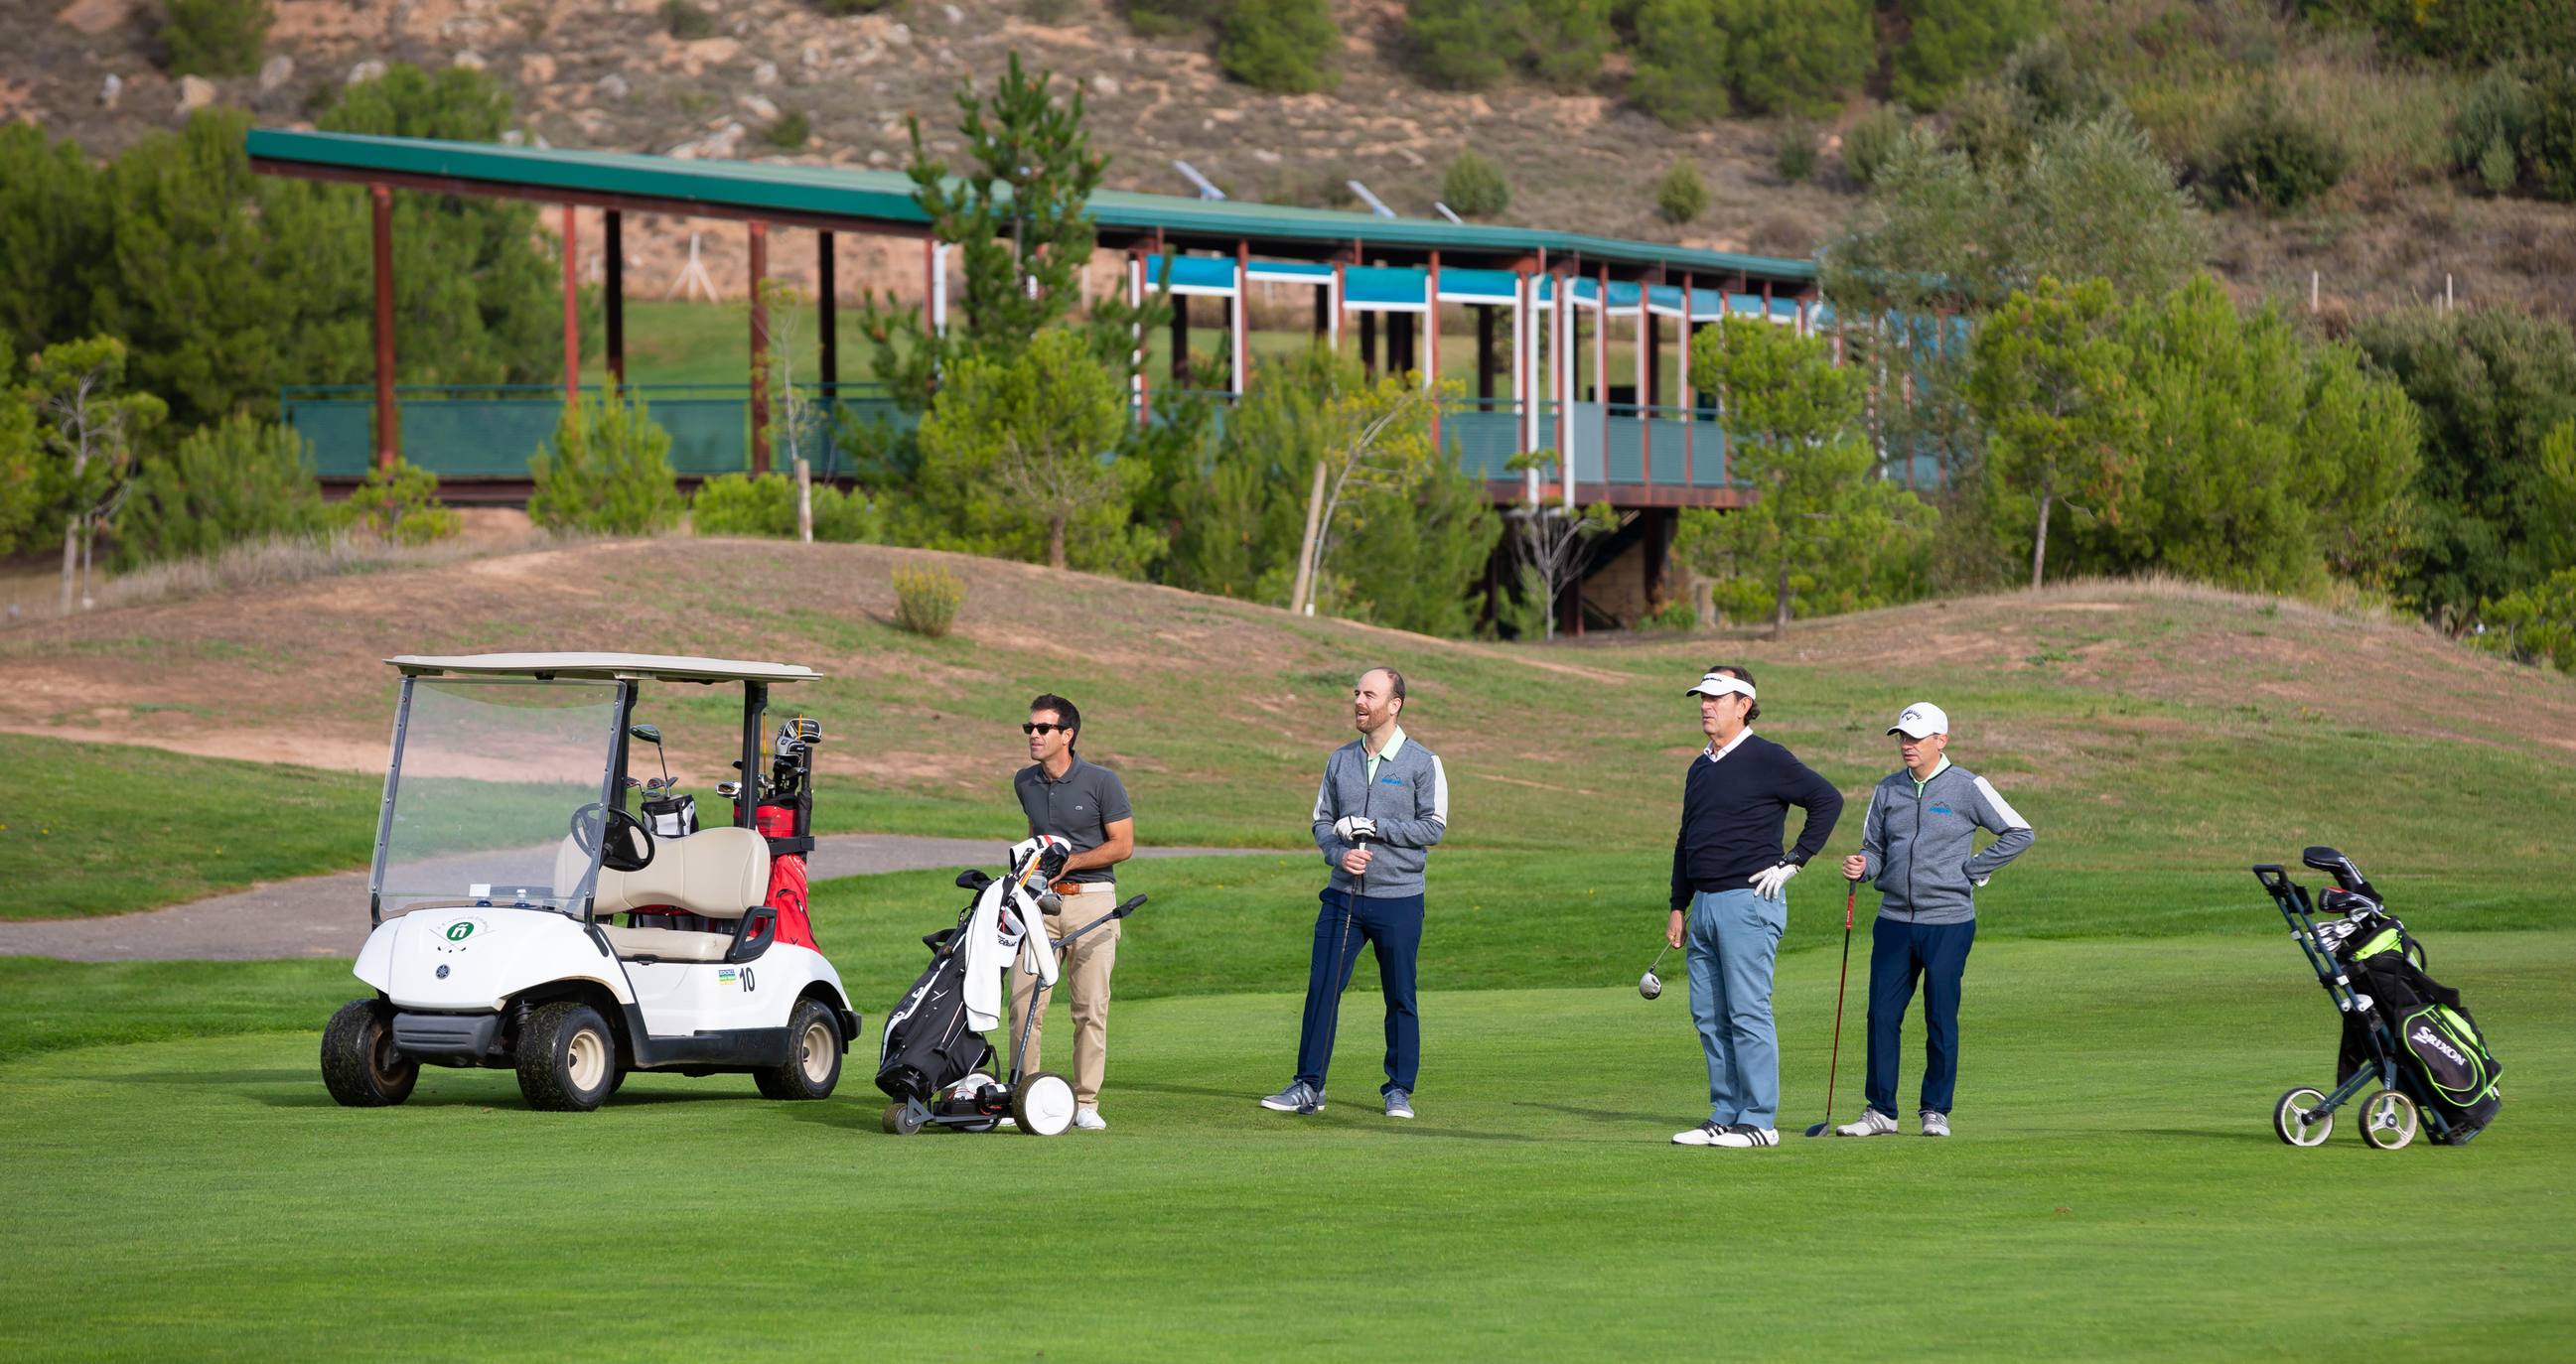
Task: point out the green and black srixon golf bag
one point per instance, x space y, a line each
2435 1035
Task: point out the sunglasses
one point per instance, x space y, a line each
1044 729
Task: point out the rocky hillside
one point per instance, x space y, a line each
611 74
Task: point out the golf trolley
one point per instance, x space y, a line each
2406 1038
932 1063
505 851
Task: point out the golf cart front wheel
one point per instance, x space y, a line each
1043 1104
2296 1119
567 1058
359 1064
901 1119
2388 1120
813 1056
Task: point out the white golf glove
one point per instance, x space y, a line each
1767 884
1349 828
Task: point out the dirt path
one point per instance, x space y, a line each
326 916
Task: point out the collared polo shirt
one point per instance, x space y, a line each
1078 807
1394 745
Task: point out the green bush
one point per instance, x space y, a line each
1474 187
1873 142
400 506
2469 33
1794 56
1463 44
1989 128
1680 73
1165 18
1681 196
216 37
926 598
1795 157
740 504
2516 133
1290 47
2536 624
686 21
2270 157
1951 42
242 480
1567 40
791 130
609 472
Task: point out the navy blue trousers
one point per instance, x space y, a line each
1394 928
1899 952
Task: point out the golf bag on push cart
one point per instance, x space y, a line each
2404 1033
934 1064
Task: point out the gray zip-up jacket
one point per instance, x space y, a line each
1410 802
1921 847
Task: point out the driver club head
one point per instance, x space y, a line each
1650 985
1819 1129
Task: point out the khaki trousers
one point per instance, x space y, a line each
1085 975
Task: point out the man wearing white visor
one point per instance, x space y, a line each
1919 843
1730 901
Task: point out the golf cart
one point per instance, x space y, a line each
505 852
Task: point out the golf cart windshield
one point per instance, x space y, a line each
489 777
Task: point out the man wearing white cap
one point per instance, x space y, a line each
1919 843
1730 901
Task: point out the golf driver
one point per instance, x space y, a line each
1833 1068
1650 984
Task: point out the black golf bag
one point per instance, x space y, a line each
2437 1041
928 1046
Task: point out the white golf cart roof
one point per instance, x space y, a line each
642 667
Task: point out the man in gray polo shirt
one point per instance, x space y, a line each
1084 804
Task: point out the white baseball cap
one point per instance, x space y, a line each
1719 684
1920 720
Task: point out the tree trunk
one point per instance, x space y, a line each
2039 543
71 558
1297 596
1780 602
804 500
1055 541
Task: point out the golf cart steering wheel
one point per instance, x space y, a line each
621 854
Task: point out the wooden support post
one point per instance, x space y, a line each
827 301
1242 318
572 311
1431 345
615 300
1601 367
1690 396
388 422
929 287
1136 334
759 347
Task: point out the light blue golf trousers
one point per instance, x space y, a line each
1730 940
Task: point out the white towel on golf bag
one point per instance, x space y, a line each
996 937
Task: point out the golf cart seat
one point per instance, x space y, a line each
714 873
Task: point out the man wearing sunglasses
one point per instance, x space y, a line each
1083 803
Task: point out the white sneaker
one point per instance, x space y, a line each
1934 1124
1746 1134
1706 1134
1089 1120
1871 1123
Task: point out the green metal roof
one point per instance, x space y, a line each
745 188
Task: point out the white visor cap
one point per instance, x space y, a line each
1921 720
1719 684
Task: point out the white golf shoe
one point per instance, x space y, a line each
1745 1134
1706 1134
1870 1123
1089 1120
1934 1124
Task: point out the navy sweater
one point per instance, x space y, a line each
1734 811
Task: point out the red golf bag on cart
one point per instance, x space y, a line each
785 816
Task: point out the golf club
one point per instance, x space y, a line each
1650 985
1360 838
1833 1068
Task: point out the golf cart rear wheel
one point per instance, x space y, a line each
1042 1105
359 1064
567 1058
900 1119
2290 1120
2388 1120
813 1056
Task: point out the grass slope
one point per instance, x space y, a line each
2114 1193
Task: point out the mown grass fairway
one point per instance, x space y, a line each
2115 1191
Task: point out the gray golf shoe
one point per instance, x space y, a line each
1870 1123
1299 1097
1399 1104
1935 1124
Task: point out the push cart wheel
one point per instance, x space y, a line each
2292 1120
900 1119
567 1058
2388 1120
1043 1104
814 1060
359 1064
